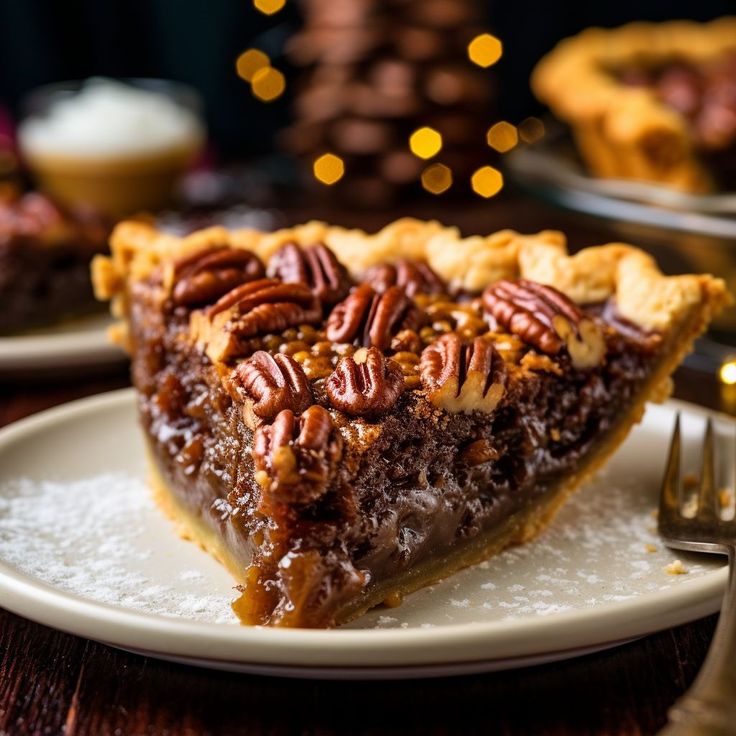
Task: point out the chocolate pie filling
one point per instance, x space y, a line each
405 481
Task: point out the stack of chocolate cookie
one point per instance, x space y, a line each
375 71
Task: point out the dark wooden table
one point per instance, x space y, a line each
54 683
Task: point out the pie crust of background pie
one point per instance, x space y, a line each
626 130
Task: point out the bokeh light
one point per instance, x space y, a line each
502 136
531 130
485 50
328 168
251 61
487 181
425 142
727 372
268 84
437 178
269 7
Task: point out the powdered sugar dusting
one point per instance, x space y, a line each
97 538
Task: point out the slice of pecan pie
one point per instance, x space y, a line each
45 252
650 101
342 418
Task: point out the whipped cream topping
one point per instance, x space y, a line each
110 118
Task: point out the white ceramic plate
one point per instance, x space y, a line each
75 343
84 550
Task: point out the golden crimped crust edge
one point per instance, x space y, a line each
626 131
643 294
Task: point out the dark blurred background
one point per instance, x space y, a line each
197 41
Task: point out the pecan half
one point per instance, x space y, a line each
294 457
256 308
315 266
205 276
365 388
545 318
414 277
463 377
272 383
371 319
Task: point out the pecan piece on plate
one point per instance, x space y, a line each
463 377
260 307
545 318
272 383
365 388
413 277
371 319
313 265
203 277
295 456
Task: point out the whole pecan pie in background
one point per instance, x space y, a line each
647 101
342 418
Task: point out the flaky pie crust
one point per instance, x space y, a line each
643 294
623 131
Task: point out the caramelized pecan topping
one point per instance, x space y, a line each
371 319
406 341
272 383
365 388
463 377
315 266
205 276
294 457
414 277
545 318
260 307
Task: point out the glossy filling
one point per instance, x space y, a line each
412 486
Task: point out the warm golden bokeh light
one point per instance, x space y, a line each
328 168
251 61
502 136
487 181
269 7
268 84
425 142
531 130
437 178
485 50
727 372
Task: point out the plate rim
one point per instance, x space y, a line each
51 350
442 645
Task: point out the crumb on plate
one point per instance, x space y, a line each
675 568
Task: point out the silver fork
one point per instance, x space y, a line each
709 707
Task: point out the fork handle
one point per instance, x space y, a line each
709 707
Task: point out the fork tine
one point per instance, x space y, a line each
707 492
669 498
